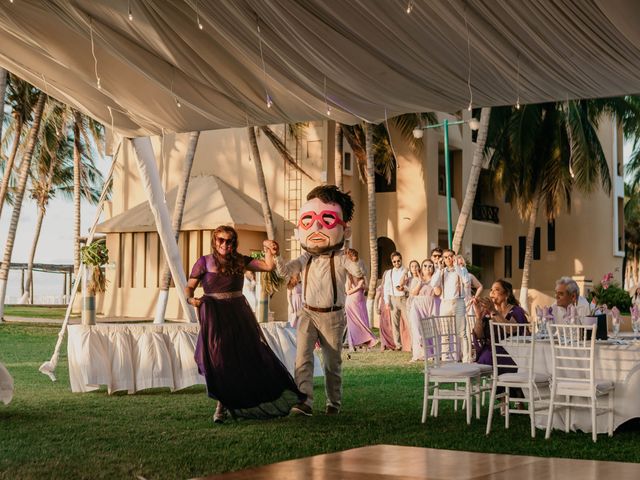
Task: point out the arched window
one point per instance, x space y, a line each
386 247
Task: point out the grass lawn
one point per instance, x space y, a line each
56 312
49 432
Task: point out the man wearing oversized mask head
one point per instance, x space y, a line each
323 226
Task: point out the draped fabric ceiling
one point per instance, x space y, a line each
365 59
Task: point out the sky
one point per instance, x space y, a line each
56 240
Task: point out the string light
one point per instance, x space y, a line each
200 26
129 10
264 68
518 84
326 101
410 6
470 107
93 52
175 97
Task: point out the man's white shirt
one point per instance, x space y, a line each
392 280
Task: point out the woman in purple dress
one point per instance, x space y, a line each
240 369
358 332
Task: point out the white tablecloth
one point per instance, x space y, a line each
617 363
135 357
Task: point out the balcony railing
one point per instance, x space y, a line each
485 213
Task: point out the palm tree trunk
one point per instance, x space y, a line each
176 223
472 185
20 188
26 297
528 254
262 309
77 150
373 230
337 164
8 168
635 265
3 91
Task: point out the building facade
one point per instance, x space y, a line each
411 212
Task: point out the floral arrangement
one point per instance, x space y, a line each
94 256
609 293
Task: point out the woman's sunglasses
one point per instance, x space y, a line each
224 241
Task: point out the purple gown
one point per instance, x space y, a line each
240 369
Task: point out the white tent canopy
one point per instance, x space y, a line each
363 58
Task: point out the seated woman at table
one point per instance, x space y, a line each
501 306
240 369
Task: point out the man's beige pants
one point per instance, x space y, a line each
328 329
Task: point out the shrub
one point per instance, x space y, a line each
612 296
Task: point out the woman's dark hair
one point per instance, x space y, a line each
508 288
332 194
234 263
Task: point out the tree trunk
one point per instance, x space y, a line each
176 223
20 188
528 255
3 91
472 185
8 168
373 230
262 309
77 165
337 164
635 265
26 297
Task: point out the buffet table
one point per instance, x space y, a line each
615 360
136 357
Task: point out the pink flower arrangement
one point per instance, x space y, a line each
606 280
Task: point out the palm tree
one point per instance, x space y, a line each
542 152
373 230
472 184
632 230
87 136
53 173
19 195
3 91
337 163
176 223
22 97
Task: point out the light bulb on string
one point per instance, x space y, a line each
129 11
269 101
328 111
200 26
470 107
409 6
518 104
178 104
98 83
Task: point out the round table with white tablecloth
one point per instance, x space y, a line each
615 360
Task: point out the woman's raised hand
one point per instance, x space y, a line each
272 247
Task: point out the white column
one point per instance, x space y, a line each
151 182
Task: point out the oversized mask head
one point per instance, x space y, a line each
321 227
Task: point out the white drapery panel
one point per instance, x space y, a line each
140 356
373 57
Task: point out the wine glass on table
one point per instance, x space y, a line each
615 325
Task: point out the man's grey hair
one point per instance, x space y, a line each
570 283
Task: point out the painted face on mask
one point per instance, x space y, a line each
320 227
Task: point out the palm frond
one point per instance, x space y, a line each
282 149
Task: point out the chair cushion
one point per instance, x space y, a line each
523 377
484 369
455 370
602 386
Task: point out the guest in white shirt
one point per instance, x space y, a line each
454 280
395 295
568 293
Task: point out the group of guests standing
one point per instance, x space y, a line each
439 285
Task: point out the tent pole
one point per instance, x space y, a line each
155 195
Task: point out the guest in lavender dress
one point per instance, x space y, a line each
358 332
422 306
386 329
294 299
240 369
